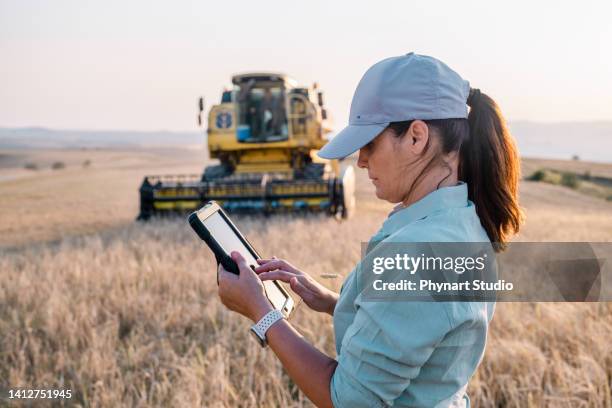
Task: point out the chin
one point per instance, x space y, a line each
379 194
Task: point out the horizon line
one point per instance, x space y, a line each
117 130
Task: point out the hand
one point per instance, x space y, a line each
315 295
244 293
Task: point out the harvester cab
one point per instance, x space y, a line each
265 133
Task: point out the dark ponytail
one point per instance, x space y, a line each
488 163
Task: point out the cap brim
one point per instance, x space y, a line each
350 139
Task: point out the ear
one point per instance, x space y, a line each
417 136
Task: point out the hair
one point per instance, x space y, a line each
488 163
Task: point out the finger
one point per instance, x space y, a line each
300 289
281 275
240 261
262 261
309 283
274 264
265 265
237 257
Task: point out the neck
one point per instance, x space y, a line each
437 178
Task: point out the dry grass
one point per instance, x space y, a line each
129 316
45 205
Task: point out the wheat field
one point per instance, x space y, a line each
128 315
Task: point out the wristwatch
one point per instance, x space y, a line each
259 329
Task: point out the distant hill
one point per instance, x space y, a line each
590 141
42 138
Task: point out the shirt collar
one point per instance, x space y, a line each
440 199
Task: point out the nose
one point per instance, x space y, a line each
362 161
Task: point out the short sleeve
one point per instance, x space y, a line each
384 349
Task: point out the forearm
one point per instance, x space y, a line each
310 369
332 303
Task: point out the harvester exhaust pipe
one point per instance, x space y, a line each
200 110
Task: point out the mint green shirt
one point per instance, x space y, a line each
412 354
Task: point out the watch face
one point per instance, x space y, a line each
262 342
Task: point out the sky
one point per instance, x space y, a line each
141 65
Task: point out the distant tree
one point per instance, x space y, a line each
575 157
30 166
58 165
86 163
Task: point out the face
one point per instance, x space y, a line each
393 162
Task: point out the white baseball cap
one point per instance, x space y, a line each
396 89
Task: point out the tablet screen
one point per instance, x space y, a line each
229 241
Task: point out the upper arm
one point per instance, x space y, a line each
384 349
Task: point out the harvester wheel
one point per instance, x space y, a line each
311 171
346 192
215 172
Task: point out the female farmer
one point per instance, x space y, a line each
455 176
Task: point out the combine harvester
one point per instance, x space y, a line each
265 133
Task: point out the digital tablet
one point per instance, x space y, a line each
215 228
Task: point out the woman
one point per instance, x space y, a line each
455 177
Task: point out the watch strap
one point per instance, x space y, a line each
262 326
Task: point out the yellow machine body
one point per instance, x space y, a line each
265 133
